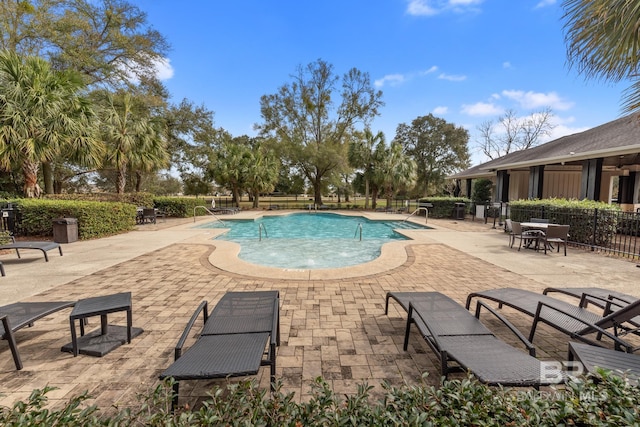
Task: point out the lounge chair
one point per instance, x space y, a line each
1 268
43 246
593 357
18 315
573 320
233 339
455 335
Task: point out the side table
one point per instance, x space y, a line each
108 337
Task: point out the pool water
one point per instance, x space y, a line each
310 240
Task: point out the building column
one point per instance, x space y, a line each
536 181
591 179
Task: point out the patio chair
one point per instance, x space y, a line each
529 237
574 320
233 339
43 246
462 342
558 234
617 362
18 315
148 215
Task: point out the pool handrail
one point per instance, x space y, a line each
211 213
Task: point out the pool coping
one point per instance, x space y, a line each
392 255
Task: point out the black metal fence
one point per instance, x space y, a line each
602 230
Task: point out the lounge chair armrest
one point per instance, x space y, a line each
606 302
203 307
517 333
596 328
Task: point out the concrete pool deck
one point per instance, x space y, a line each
333 325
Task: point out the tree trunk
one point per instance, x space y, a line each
256 198
121 179
47 173
30 171
366 193
317 191
138 181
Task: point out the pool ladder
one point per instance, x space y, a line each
358 230
261 227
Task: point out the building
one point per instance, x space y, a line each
586 165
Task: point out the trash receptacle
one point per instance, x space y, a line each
65 230
459 211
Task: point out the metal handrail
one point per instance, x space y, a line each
358 228
210 213
426 214
260 228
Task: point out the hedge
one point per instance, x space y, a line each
599 400
443 206
95 219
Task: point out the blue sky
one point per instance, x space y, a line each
466 61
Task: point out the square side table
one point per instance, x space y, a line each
108 337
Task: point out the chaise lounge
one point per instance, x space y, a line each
233 339
573 320
43 246
18 315
455 335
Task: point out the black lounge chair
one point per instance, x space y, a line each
41 246
233 339
18 315
573 320
593 357
455 335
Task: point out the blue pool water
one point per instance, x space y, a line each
310 240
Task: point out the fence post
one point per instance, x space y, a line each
595 229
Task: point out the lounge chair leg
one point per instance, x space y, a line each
174 399
408 330
12 343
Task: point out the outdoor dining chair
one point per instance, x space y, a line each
558 234
529 236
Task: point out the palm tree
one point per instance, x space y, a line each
602 41
132 138
361 155
394 170
42 115
261 174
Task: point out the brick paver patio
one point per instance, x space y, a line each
335 329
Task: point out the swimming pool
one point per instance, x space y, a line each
310 240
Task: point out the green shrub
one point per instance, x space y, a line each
443 206
95 219
599 400
180 207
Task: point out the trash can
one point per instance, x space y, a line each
65 230
459 211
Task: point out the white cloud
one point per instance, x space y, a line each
545 3
392 79
506 65
434 7
164 70
531 100
481 109
430 70
451 77
441 110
